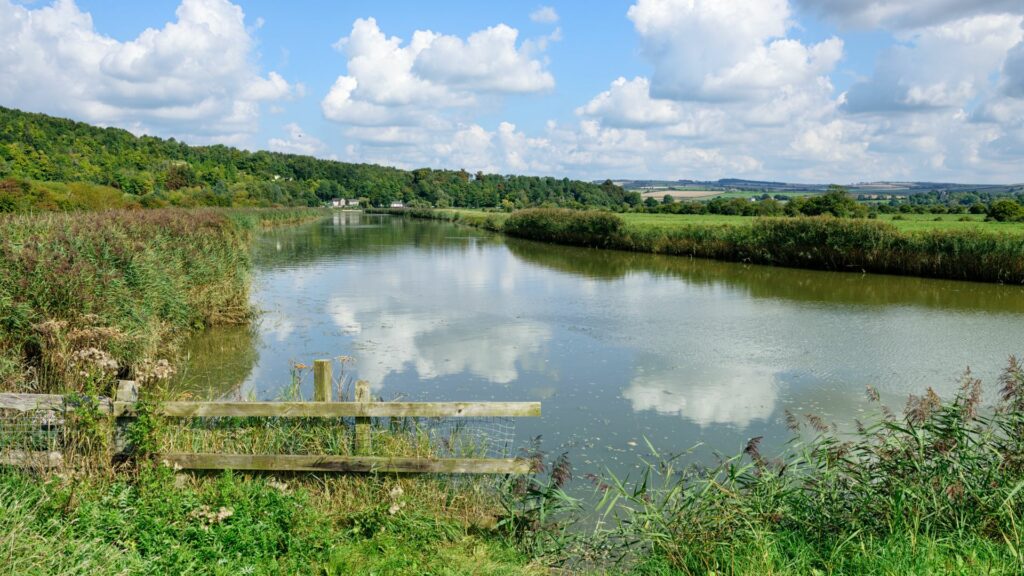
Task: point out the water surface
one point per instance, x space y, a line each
618 346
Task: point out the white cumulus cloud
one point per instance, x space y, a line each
544 15
389 83
719 50
194 77
896 14
628 103
941 66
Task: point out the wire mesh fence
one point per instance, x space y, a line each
30 430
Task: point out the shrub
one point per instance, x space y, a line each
1006 210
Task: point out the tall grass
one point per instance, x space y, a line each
578 228
820 242
86 297
844 245
935 489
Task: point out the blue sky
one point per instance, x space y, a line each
797 90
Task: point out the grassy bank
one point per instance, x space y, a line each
984 254
157 522
88 296
935 489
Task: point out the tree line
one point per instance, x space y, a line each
156 171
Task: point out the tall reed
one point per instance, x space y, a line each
112 293
818 242
944 474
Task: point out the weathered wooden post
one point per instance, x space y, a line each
362 422
322 384
127 391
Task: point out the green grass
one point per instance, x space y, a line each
904 222
157 522
928 222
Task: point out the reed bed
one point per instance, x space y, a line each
87 297
935 489
818 242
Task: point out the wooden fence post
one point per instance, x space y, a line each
362 423
322 384
127 391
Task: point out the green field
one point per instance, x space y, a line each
908 223
916 222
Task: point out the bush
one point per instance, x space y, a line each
1006 210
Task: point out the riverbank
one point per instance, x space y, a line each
934 490
970 252
118 290
88 298
157 522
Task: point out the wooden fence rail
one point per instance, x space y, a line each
123 408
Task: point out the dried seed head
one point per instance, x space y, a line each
561 471
752 450
816 422
792 422
873 393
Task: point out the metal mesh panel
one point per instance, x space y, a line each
33 430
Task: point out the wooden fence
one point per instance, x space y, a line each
123 408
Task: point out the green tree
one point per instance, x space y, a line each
1006 210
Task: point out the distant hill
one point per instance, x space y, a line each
37 149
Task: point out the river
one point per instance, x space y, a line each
619 347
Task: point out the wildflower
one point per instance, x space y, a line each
208 517
150 371
96 358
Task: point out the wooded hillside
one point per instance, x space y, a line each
36 149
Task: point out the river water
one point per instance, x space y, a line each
619 347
